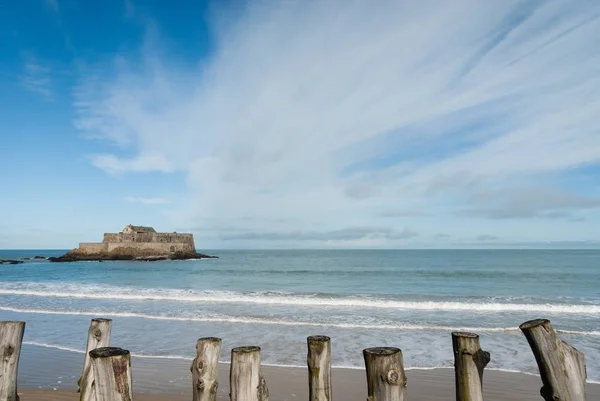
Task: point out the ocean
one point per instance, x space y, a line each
410 299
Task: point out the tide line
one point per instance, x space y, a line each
118 293
282 322
189 358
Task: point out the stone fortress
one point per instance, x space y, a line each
144 240
135 243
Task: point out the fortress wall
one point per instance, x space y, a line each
159 248
175 238
160 243
149 237
108 237
92 247
144 237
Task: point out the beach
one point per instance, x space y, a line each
49 374
276 299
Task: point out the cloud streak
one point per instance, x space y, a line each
346 234
330 115
140 164
37 78
530 202
53 5
147 201
486 237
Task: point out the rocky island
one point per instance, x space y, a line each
135 243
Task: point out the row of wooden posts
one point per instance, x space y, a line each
107 370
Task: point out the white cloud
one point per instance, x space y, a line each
129 8
346 234
486 237
36 78
53 5
147 201
140 164
529 202
333 115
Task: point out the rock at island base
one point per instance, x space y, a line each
10 262
126 254
35 258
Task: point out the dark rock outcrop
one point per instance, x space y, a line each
10 262
35 258
123 254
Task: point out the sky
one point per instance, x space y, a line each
301 124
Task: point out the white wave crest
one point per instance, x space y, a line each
283 322
68 290
53 346
255 320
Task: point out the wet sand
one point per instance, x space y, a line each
51 375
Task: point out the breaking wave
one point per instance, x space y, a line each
66 290
282 322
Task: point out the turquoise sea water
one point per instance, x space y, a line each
409 299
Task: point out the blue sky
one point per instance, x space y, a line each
269 124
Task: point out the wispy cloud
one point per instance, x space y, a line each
141 164
403 213
346 234
147 201
129 8
330 115
53 5
487 237
529 202
37 78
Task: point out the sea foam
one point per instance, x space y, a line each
68 290
281 322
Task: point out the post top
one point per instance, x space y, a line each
383 351
530 324
210 339
106 352
101 319
464 334
318 339
11 322
246 349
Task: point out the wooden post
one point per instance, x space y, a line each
469 362
204 369
11 337
246 382
319 368
98 337
386 380
562 367
112 374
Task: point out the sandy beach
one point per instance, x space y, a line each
51 375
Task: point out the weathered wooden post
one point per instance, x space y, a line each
319 368
11 337
204 369
562 367
112 374
386 380
469 362
246 382
98 337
